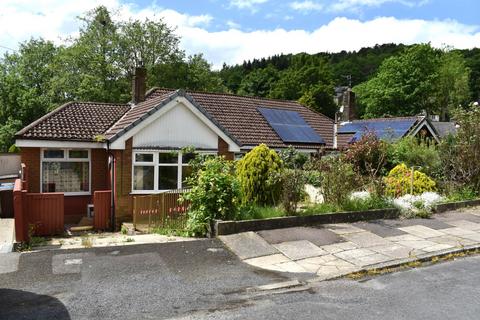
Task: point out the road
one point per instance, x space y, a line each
203 280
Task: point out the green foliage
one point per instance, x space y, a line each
398 182
214 194
256 172
462 194
415 152
368 155
319 98
292 159
251 212
336 177
460 154
292 182
370 203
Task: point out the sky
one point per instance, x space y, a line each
232 31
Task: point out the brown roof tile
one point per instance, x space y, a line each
75 121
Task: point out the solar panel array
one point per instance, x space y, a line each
386 129
290 126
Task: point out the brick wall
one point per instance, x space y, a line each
223 150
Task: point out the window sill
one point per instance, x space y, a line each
71 194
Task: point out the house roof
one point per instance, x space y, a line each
237 116
383 128
75 121
444 128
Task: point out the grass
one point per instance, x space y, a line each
260 212
462 194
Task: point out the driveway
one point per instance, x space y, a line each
332 250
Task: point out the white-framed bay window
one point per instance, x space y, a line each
156 171
65 170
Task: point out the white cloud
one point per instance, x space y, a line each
306 6
233 25
357 5
55 19
246 4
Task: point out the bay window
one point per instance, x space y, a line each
160 170
65 170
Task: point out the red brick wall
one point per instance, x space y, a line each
75 206
223 150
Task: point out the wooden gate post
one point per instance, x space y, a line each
21 228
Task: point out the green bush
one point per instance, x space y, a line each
414 152
399 182
260 212
336 178
292 159
214 194
370 203
368 155
462 194
292 182
255 172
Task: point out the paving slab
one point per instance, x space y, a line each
438 247
9 262
343 228
380 228
265 261
301 249
452 240
472 215
417 244
319 236
370 259
430 223
291 267
395 251
405 237
473 237
365 239
465 224
338 247
354 254
455 231
422 231
248 245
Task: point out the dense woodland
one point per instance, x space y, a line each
98 66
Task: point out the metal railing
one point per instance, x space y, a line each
162 211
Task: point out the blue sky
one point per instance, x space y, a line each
231 31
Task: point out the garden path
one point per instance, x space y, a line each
333 250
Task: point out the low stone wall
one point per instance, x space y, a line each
230 227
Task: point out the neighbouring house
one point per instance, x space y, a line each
348 129
136 148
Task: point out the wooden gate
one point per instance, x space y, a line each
101 208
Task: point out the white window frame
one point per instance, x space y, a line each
179 165
66 158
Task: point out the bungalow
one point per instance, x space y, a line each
136 148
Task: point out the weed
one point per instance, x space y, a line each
129 240
87 242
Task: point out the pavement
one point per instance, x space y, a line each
7 235
334 250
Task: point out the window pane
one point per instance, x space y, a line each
186 173
143 177
144 157
167 157
78 154
65 176
167 177
53 154
188 156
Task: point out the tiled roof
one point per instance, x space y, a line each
75 121
236 115
239 116
444 128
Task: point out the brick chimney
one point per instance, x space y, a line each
349 108
139 85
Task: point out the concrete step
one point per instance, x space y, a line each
7 235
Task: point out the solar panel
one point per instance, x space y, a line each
290 126
386 129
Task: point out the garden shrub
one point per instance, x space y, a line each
292 159
336 178
292 183
250 212
415 152
255 172
368 155
417 206
399 182
214 194
460 153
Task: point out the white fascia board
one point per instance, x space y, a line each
120 142
58 144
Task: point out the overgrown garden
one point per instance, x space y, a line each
412 174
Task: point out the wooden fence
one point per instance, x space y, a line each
162 210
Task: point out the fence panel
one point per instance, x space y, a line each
101 209
161 210
45 212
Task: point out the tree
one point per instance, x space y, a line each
451 87
259 82
320 99
404 84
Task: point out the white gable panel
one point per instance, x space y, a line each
179 127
